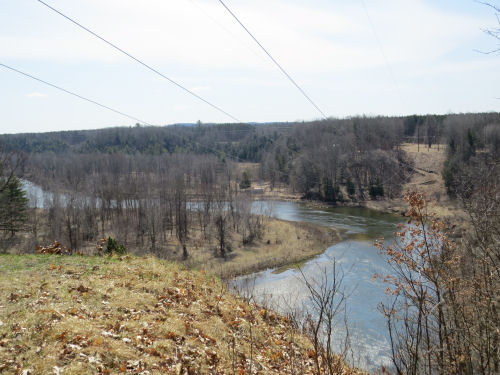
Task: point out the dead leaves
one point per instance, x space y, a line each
13 297
131 319
82 289
54 248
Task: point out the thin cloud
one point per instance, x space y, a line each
303 37
36 95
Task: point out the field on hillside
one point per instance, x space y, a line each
428 164
101 315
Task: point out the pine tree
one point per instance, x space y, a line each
13 207
350 187
245 180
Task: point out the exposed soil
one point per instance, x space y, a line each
426 178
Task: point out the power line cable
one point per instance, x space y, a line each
74 94
236 38
175 83
273 60
382 51
139 61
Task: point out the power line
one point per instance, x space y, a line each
236 38
273 60
382 51
139 61
74 94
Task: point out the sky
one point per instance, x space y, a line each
356 57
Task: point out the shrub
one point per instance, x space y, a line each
112 246
350 187
245 180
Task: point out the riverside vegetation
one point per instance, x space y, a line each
180 193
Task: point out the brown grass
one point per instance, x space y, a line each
428 164
428 179
93 315
278 192
283 243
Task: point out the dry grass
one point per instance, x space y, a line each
252 168
284 243
427 179
278 192
428 167
431 159
93 315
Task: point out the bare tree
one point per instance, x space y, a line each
328 298
443 318
181 213
492 31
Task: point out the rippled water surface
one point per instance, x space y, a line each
359 260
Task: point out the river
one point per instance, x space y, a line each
359 260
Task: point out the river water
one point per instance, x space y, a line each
359 260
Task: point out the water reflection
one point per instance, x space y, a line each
359 260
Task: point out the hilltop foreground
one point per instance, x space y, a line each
88 315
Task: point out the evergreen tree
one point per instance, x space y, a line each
376 189
350 187
331 192
13 207
245 180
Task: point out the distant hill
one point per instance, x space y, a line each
242 140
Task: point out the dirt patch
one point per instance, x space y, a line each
427 178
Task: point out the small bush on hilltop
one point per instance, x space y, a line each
112 246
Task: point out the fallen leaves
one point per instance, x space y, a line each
55 248
141 317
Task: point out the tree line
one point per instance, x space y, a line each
332 160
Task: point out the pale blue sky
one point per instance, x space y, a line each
328 46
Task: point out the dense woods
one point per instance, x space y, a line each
140 182
339 160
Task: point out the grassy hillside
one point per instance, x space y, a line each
88 315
